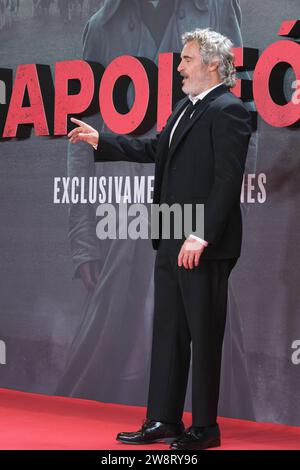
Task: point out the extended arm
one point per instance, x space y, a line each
110 147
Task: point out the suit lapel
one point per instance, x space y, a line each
165 136
175 115
198 113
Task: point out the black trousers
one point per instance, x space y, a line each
189 310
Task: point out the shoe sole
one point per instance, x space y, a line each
214 443
167 440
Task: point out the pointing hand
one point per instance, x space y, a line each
84 133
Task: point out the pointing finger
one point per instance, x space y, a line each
77 121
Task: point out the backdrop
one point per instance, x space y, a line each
63 334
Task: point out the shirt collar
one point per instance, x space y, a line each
194 99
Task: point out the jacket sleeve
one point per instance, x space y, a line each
119 148
231 132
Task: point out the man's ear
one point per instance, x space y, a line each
213 66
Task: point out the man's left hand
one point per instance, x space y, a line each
190 253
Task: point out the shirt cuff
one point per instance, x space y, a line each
203 242
95 146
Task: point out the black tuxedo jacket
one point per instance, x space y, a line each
206 165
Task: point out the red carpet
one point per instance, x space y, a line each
30 421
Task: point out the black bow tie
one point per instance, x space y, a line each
191 107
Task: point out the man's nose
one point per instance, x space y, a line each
180 67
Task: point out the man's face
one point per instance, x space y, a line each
196 77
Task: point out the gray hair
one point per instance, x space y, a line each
214 45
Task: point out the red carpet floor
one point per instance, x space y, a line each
30 421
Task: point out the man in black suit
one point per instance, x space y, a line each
200 157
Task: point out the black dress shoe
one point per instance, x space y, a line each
198 438
152 431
